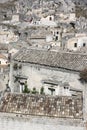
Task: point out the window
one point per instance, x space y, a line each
84 44
26 33
75 44
5 15
50 18
52 90
66 87
56 38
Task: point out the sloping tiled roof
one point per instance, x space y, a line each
65 60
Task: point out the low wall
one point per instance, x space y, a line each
10 121
58 106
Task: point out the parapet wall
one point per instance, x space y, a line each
58 106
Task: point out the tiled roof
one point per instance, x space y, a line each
65 60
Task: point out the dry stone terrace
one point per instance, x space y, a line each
41 105
66 60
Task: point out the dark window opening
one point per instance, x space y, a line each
5 15
56 38
52 90
26 33
66 88
84 44
75 44
50 18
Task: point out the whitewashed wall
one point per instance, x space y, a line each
38 123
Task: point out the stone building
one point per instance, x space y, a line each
57 72
42 67
7 36
3 63
15 18
48 21
77 42
46 35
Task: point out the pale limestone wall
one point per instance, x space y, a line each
13 122
6 37
38 40
72 17
71 42
15 18
36 74
48 21
3 61
81 40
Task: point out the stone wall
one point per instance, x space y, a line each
40 105
24 122
36 74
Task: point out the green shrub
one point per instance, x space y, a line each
26 90
42 90
34 91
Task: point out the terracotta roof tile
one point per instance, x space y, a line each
66 60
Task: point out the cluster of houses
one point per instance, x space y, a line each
42 53
52 61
